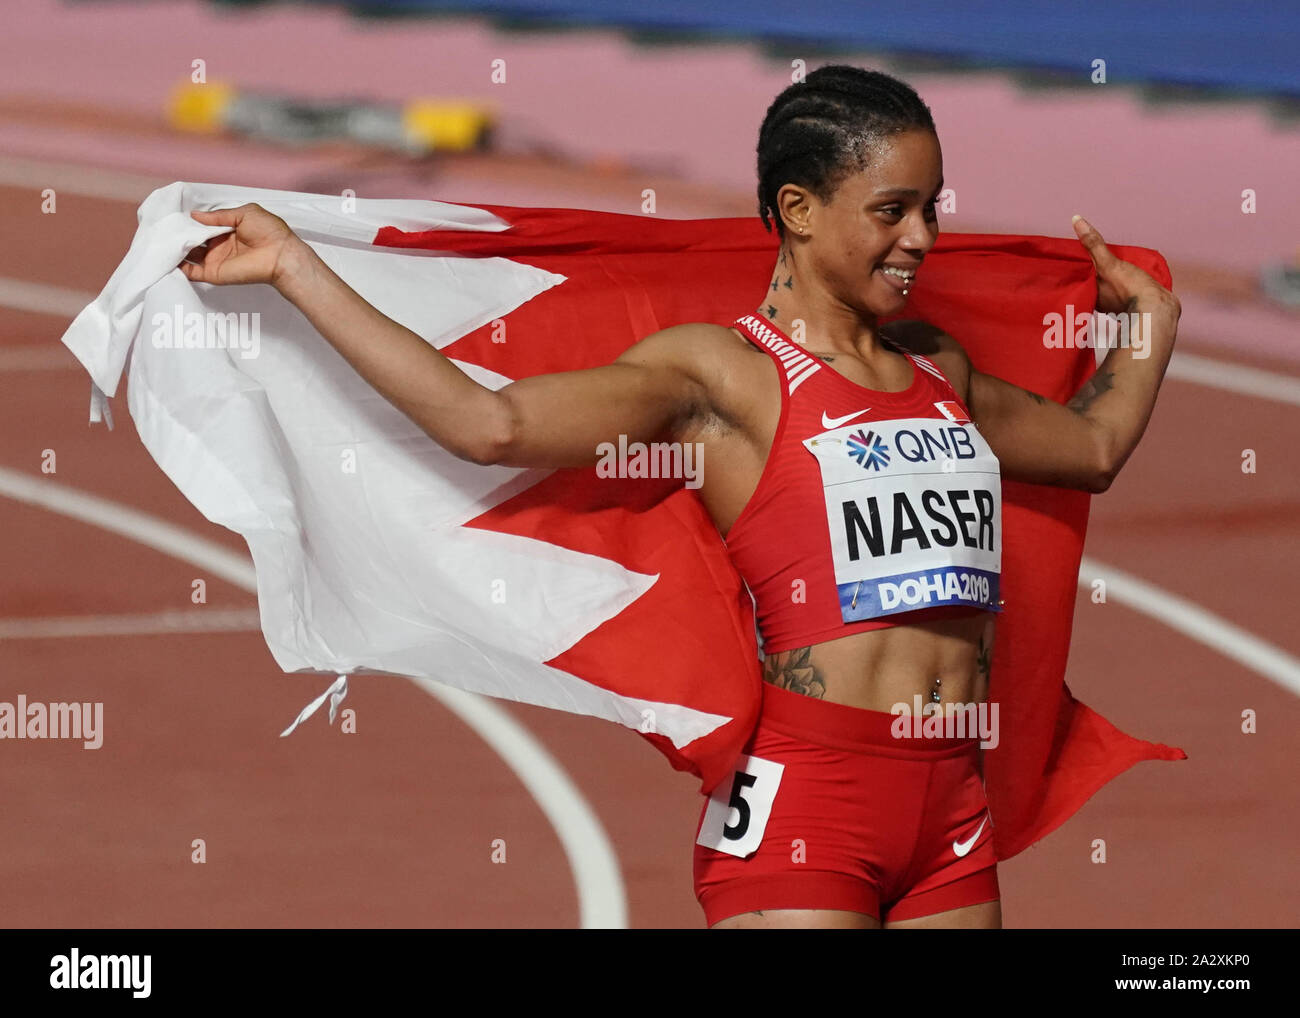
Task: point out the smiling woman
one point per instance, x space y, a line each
835 818
818 137
855 472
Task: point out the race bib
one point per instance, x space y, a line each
739 807
914 508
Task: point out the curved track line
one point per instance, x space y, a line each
193 620
595 870
602 900
34 357
42 298
83 181
129 523
1196 623
1188 367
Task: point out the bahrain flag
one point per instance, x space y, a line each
378 551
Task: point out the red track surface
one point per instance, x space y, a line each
393 826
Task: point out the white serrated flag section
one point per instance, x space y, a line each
352 514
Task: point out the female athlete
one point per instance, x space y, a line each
874 586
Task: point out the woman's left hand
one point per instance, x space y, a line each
1120 284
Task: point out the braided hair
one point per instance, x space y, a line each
818 131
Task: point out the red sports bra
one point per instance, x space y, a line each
874 509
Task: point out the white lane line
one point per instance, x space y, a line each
42 299
591 857
30 357
1195 622
130 523
86 181
1187 367
193 620
602 900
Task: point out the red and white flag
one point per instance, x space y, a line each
952 410
376 550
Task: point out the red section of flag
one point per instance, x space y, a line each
690 640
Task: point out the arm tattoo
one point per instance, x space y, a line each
1102 381
1041 401
771 312
794 670
789 283
984 658
774 285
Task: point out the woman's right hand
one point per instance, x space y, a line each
253 253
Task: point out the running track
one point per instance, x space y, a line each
394 825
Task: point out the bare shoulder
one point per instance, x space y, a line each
930 341
724 366
695 346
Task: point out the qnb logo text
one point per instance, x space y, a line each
944 445
928 445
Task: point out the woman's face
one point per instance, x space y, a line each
883 215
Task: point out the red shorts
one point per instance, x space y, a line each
845 816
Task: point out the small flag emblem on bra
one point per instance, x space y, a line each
953 411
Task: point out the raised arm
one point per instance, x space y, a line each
1083 443
553 420
1119 398
651 392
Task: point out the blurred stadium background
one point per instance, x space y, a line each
1193 115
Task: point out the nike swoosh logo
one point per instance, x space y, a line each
961 848
835 422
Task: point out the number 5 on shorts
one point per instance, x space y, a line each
739 807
